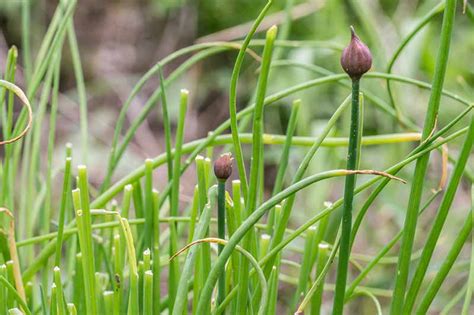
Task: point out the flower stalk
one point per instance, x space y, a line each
222 170
356 60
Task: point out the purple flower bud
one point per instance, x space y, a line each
356 58
223 166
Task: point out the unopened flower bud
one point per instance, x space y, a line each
223 166
356 58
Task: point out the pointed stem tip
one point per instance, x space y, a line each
353 33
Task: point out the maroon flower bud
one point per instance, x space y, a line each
223 166
356 58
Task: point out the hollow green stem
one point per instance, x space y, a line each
134 291
470 283
87 255
127 197
54 299
446 266
78 290
61 307
344 251
317 298
62 209
71 309
204 257
256 165
109 303
221 235
306 266
119 253
148 292
233 99
193 213
149 217
174 201
273 291
156 253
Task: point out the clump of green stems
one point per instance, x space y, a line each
105 248
422 163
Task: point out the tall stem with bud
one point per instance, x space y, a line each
356 60
222 170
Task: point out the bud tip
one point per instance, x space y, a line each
223 166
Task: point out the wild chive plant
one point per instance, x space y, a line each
222 171
356 60
73 241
